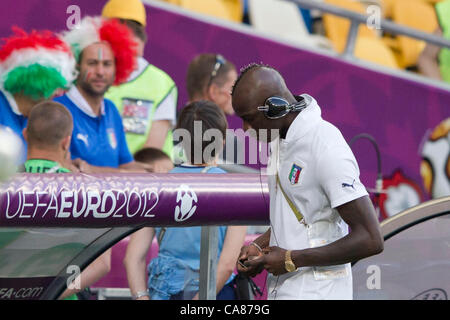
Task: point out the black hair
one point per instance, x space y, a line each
211 117
136 28
48 123
246 69
150 155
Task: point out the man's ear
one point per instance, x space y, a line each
25 134
65 143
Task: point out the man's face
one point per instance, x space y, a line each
251 93
223 99
97 69
140 46
256 124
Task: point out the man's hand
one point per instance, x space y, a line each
82 165
70 166
272 260
249 253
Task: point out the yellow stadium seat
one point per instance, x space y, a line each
214 8
388 6
337 28
418 15
235 8
175 2
374 50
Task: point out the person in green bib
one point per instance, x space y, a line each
434 61
48 134
147 101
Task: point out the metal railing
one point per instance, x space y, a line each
358 18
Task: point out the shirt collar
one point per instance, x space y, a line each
305 120
141 65
76 97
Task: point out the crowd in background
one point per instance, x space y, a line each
86 100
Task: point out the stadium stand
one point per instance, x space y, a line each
418 15
235 9
283 19
215 8
337 28
376 51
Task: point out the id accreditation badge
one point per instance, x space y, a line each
327 272
136 115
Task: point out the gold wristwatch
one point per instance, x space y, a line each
288 263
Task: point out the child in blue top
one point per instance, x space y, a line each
174 273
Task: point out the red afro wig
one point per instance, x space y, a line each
120 38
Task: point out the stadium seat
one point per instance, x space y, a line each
388 6
235 8
337 28
374 50
216 8
175 2
283 20
415 14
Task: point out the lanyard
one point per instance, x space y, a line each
297 212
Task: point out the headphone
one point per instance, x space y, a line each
276 107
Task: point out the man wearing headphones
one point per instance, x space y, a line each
315 195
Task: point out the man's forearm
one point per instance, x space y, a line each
263 240
350 248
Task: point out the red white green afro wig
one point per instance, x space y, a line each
36 65
111 31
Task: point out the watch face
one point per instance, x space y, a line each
290 267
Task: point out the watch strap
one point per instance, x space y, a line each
140 294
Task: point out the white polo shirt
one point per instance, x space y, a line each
318 172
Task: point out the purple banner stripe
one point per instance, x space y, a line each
96 201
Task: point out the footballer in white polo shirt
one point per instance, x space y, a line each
315 195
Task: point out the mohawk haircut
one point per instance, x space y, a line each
246 69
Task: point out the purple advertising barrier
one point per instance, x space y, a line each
31 288
119 200
398 110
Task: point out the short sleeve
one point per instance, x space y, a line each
338 174
166 110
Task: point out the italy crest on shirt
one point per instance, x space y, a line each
112 138
294 175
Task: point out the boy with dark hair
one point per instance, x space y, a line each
48 134
156 160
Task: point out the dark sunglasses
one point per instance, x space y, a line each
220 61
276 107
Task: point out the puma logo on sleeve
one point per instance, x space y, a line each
344 185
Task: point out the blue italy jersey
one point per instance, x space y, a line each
100 141
12 120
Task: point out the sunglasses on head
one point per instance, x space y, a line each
276 107
220 61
